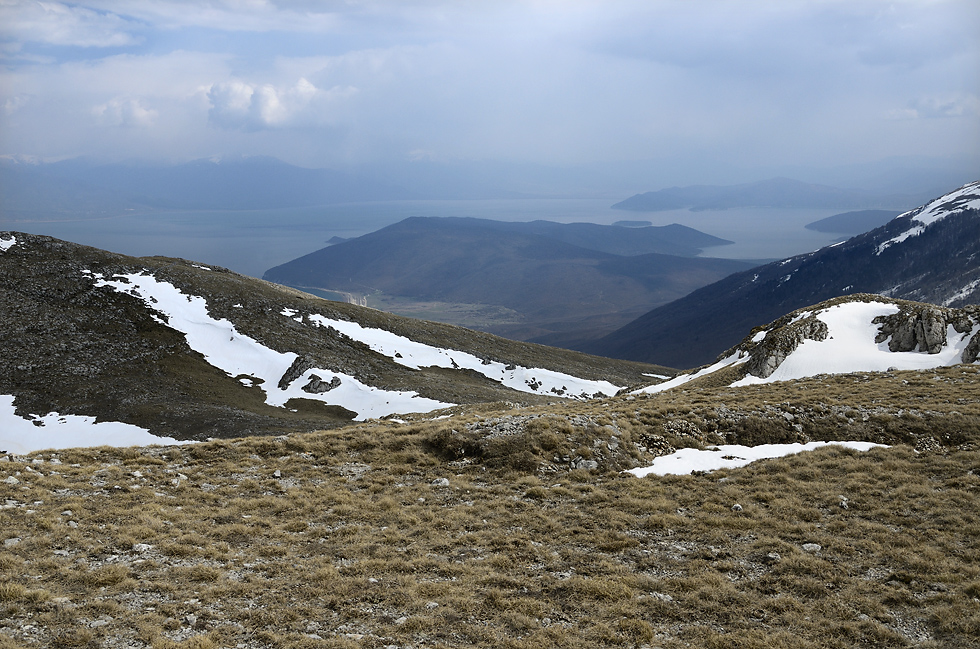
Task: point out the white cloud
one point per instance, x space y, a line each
125 112
12 104
236 104
56 23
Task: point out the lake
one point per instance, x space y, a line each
253 241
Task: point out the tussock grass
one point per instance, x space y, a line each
356 542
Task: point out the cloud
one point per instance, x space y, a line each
236 104
125 112
12 104
233 15
55 23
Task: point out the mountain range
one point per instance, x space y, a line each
551 282
928 254
775 192
81 186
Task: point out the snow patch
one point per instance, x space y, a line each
7 244
416 355
850 347
226 348
735 359
965 198
966 291
19 435
732 456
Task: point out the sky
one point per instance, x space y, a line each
544 82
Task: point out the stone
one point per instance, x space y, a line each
9 543
316 385
440 482
736 507
11 480
296 370
812 547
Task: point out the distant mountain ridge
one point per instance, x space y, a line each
775 192
929 254
559 281
232 183
853 222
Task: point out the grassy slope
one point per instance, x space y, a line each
340 539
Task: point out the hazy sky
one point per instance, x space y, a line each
555 82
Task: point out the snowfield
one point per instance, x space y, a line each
19 435
7 244
732 456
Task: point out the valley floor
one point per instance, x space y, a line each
475 531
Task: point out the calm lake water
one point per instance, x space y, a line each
251 242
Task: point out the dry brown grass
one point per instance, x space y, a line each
353 545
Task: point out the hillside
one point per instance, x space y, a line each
929 254
521 280
775 192
191 352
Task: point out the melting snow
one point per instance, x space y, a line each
966 197
19 435
7 244
239 355
734 359
415 355
850 347
732 456
966 291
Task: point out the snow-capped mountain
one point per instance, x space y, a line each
183 350
930 254
859 333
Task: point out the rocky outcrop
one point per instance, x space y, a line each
925 328
297 369
781 341
317 385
